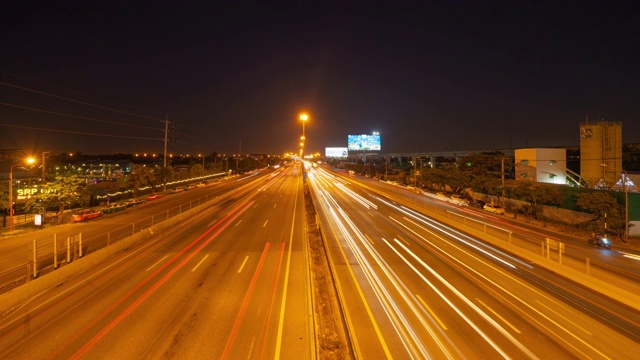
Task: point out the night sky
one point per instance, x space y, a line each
100 76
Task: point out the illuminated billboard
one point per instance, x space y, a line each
336 152
363 142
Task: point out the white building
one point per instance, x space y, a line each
543 165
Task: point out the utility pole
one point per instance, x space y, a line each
44 172
239 153
386 171
164 157
415 171
503 200
626 204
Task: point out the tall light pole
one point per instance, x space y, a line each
303 117
626 204
44 171
202 166
626 199
28 161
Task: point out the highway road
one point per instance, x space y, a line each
576 246
412 287
98 233
230 281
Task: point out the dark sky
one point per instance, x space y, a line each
465 75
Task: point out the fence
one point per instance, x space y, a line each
595 264
49 253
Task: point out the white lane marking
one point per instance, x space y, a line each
157 262
265 223
274 205
238 223
201 261
244 262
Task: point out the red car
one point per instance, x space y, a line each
153 197
84 215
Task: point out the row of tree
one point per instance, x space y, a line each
70 190
483 174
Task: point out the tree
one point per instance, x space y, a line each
63 192
536 196
165 174
141 176
4 195
604 206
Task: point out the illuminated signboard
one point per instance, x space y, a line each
336 152
27 192
363 142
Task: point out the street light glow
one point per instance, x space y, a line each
29 160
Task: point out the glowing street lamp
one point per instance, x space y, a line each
626 200
28 161
303 117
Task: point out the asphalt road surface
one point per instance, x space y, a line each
229 282
412 287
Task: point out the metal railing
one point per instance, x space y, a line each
48 253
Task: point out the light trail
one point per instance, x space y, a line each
469 303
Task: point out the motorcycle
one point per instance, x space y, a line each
600 240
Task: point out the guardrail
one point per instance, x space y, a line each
47 254
553 250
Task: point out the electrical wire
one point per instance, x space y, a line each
78 132
73 91
78 101
79 117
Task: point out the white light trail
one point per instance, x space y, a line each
469 303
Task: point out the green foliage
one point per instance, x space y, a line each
598 203
601 203
63 192
536 195
4 195
141 176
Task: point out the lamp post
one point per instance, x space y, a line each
29 161
303 117
626 199
626 204
202 168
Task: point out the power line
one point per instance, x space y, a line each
78 101
72 91
78 132
78 117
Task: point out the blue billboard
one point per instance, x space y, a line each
363 142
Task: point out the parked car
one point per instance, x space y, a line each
86 214
457 199
478 203
133 202
114 207
493 208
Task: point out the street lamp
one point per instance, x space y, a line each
303 117
626 204
626 200
28 161
202 168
